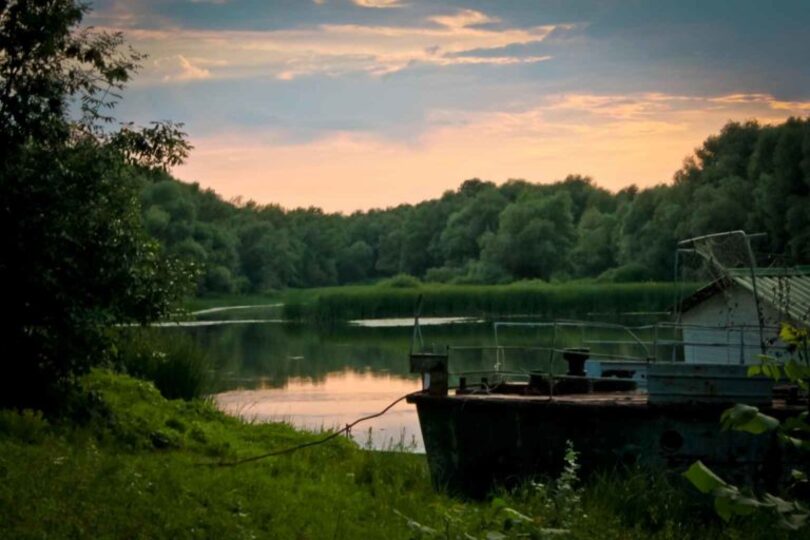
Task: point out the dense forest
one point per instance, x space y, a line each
748 177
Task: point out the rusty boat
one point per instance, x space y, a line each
647 395
500 431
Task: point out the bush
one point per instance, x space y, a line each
629 273
178 367
219 279
401 281
443 274
27 426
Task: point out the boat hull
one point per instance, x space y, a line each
475 442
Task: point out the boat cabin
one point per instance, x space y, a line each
735 319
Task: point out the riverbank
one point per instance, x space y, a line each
581 299
141 466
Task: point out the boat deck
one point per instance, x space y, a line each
600 400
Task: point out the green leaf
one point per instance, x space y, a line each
730 502
794 522
795 371
796 423
723 508
748 419
753 371
517 516
772 371
797 443
703 478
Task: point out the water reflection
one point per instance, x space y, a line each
338 399
316 377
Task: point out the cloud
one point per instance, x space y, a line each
176 68
463 19
755 99
378 4
335 49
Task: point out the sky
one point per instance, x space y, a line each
356 104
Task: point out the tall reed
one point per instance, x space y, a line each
177 366
541 300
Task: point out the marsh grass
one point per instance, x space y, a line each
150 468
177 365
534 299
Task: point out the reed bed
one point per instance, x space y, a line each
537 300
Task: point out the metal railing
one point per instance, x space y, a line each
662 341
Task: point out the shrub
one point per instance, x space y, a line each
442 274
632 272
401 281
27 426
178 367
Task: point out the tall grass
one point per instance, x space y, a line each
149 470
177 366
535 299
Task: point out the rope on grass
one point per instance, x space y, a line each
297 447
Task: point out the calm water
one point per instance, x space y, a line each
321 378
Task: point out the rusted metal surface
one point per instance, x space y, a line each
706 383
475 441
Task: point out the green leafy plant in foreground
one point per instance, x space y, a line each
730 500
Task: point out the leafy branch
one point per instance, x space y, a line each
730 500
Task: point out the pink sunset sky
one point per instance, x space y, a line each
356 104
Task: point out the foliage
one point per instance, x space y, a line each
177 366
143 470
401 281
75 258
482 233
730 500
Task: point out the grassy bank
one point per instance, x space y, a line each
576 299
140 467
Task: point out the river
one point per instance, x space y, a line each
323 377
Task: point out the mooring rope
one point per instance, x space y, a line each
346 429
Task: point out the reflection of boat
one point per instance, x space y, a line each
622 395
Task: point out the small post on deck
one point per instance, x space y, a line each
433 369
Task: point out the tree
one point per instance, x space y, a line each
595 251
459 239
355 262
74 256
534 237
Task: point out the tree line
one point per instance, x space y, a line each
748 176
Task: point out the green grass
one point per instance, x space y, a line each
535 299
143 467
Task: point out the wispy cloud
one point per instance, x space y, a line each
797 107
338 49
176 68
463 18
378 4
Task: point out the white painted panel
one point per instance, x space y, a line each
721 340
